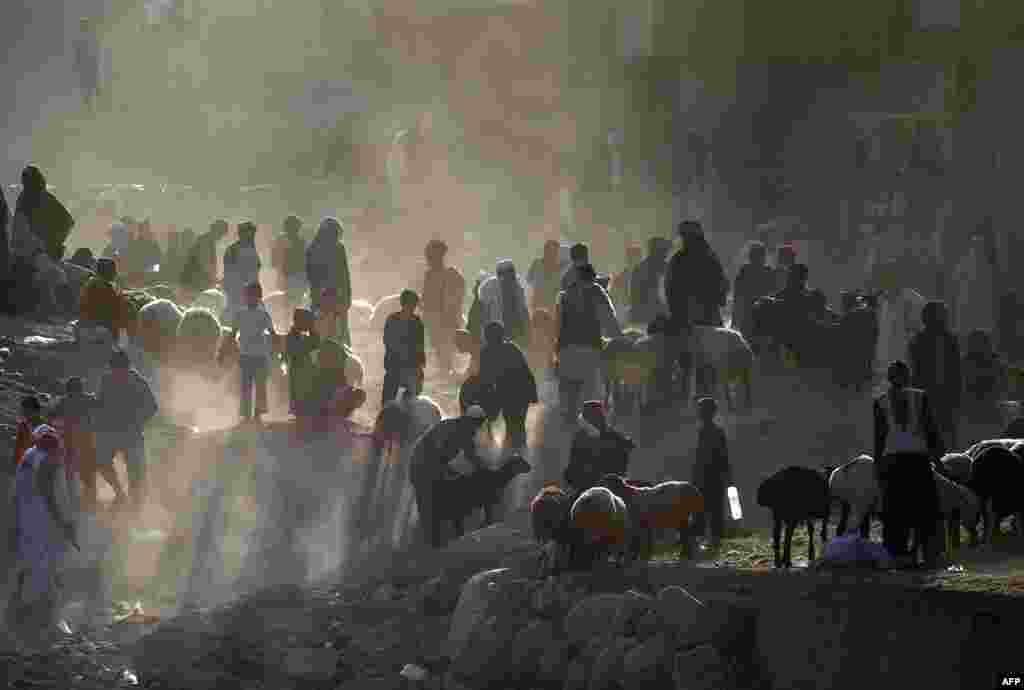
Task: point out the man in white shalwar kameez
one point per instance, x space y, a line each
899 316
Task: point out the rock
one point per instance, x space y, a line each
554 662
608 666
576 676
438 596
550 599
647 662
492 609
599 614
702 668
385 592
522 657
311 664
681 613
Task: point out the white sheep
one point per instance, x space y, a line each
602 520
854 485
158 325
214 300
199 335
975 450
727 351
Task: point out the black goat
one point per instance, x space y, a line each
795 495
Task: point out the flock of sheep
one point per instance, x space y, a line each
975 486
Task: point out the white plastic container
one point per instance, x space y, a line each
734 503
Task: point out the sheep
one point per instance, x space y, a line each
975 450
158 326
667 505
958 505
360 315
957 466
383 309
795 495
601 523
630 363
855 487
549 520
461 496
214 300
199 336
996 476
162 292
729 354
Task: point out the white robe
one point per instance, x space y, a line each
491 305
899 318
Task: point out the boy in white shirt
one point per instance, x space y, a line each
254 329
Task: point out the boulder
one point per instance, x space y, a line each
702 668
681 612
647 662
553 664
608 666
489 605
599 614
311 664
438 596
521 660
550 600
576 676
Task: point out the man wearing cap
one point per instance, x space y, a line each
241 268
126 404
289 259
503 299
430 460
597 449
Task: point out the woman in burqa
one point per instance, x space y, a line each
327 267
503 299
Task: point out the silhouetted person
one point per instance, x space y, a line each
906 441
41 227
935 361
755 279
645 285
503 368
327 267
444 291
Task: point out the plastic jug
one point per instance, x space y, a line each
734 503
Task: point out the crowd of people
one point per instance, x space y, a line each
516 330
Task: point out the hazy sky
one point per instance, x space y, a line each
35 40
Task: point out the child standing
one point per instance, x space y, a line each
74 418
254 328
405 354
301 342
31 417
712 472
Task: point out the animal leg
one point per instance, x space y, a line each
844 517
776 537
953 530
748 388
810 541
787 555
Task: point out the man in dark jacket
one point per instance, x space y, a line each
695 285
935 362
597 449
696 289
503 367
645 297
428 464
